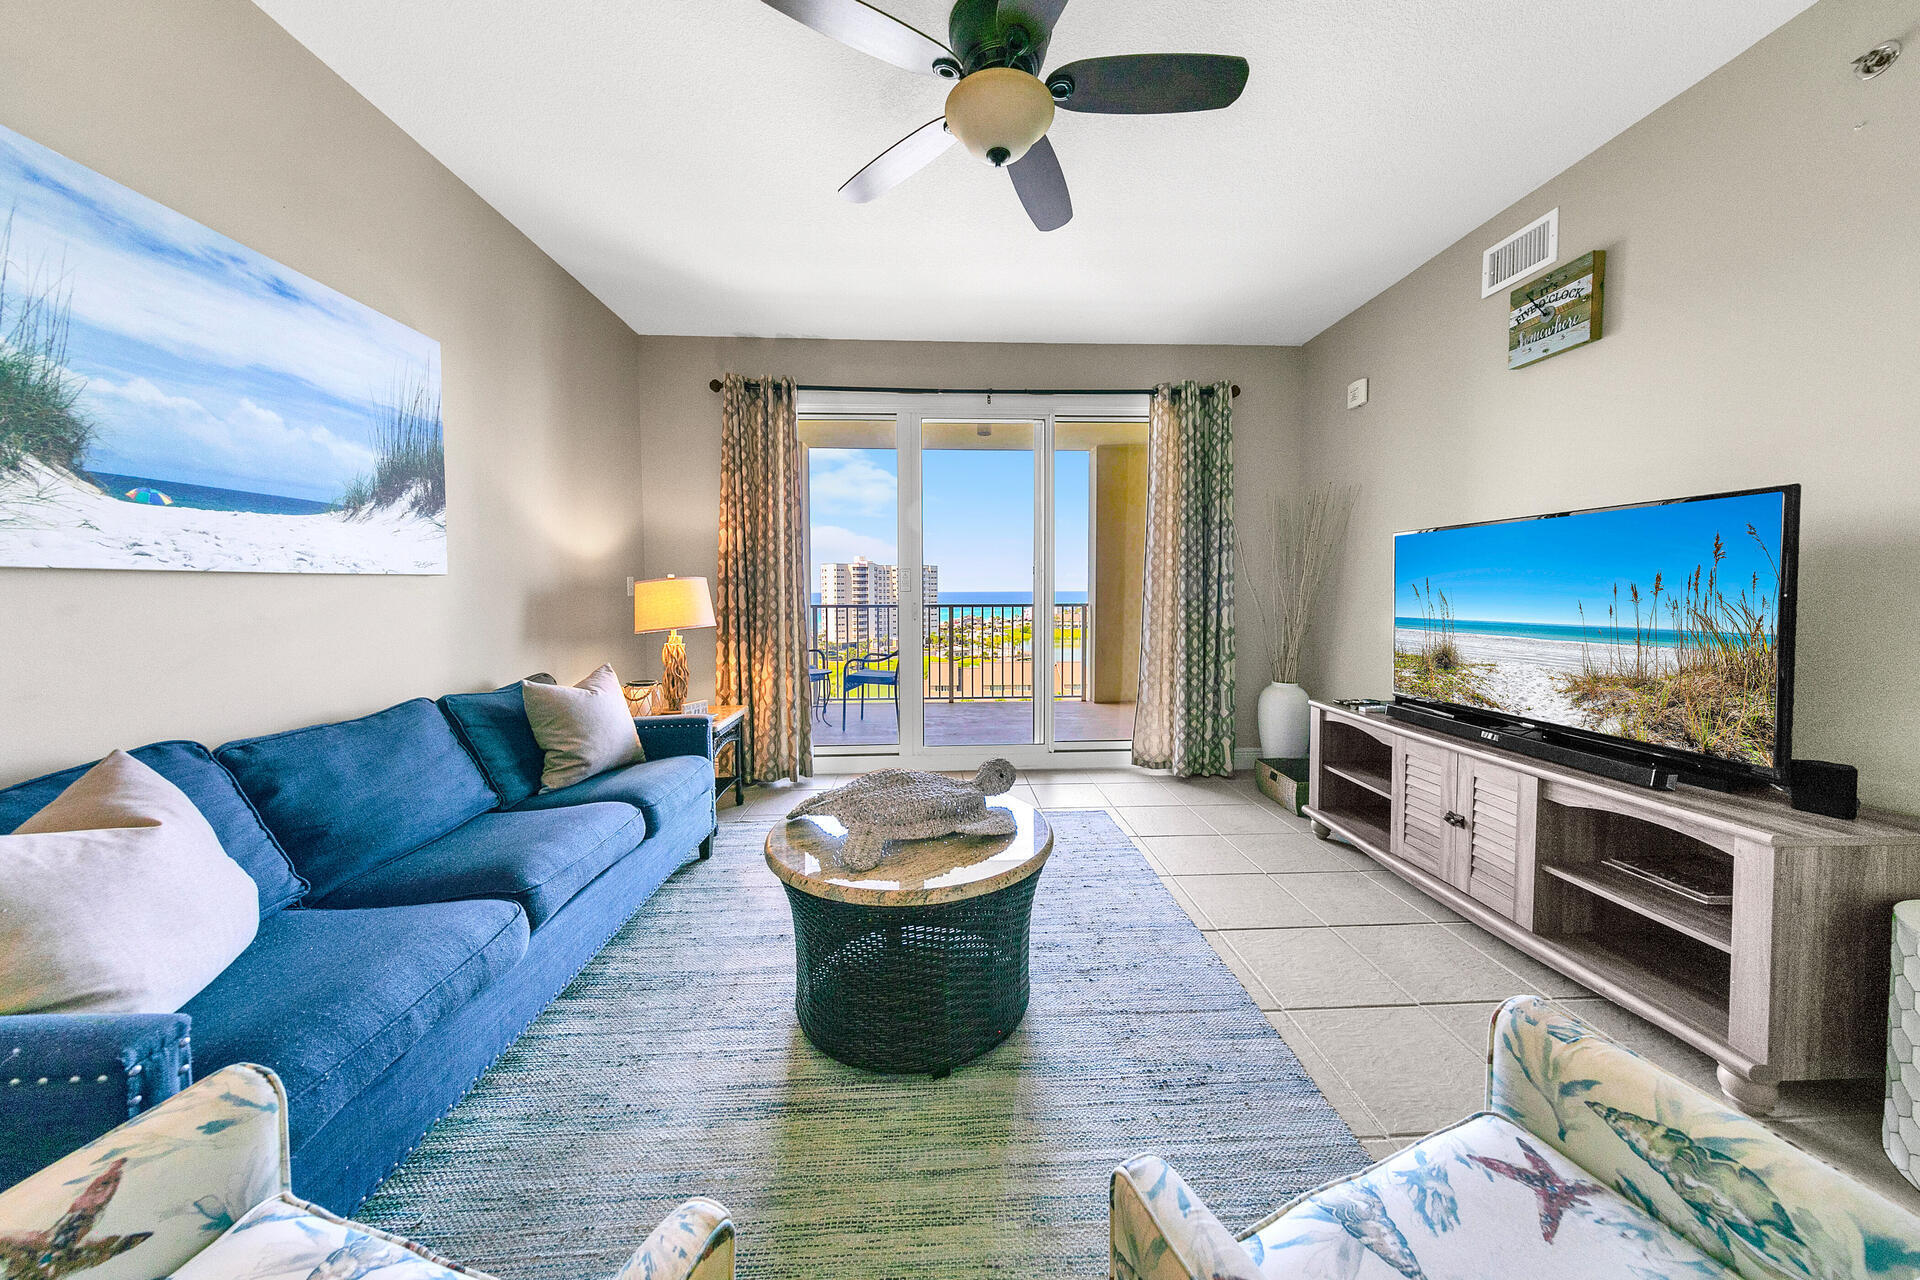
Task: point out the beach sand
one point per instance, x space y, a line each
52 519
1521 680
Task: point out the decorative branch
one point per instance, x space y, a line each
1283 578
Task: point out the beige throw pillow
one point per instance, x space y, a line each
117 898
584 730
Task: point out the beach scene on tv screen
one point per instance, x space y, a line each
1658 624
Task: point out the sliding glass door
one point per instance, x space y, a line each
977 548
976 567
1099 555
853 486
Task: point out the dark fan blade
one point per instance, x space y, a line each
1141 84
859 25
1046 12
1042 187
899 162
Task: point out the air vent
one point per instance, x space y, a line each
1520 255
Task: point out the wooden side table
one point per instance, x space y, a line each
728 724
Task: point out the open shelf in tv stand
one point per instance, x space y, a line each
1789 982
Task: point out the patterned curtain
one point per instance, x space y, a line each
1184 718
762 607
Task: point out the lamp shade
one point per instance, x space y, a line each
671 604
999 113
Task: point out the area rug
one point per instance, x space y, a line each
672 1066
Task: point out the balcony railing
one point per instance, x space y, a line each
974 652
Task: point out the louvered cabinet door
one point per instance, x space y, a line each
1422 794
1496 866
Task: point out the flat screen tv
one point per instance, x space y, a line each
1659 630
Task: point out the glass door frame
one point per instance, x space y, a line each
909 410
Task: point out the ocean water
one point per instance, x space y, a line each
999 597
203 497
1592 633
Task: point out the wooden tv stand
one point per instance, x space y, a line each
1787 983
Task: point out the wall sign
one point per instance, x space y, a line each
1557 312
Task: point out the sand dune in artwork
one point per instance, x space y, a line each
51 518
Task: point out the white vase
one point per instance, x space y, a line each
1283 721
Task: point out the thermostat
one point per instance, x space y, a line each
1356 393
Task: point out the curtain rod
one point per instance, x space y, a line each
715 385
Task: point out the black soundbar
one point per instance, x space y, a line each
1524 743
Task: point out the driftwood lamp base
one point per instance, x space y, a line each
673 674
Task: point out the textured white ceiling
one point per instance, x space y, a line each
681 157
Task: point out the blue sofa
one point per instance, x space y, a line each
420 901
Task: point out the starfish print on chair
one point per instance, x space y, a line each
64 1248
1556 1194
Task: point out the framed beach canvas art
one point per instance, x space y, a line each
170 399
1558 312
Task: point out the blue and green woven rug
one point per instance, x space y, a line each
673 1067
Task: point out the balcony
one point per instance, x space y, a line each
977 679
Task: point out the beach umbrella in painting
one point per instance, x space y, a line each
150 497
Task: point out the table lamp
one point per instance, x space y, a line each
668 604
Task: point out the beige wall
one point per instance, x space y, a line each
208 107
680 435
1763 325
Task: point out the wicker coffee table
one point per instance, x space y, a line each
920 964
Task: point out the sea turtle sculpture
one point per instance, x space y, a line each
902 804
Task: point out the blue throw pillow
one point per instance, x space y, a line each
346 798
188 766
494 727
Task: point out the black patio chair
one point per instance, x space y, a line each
820 680
862 670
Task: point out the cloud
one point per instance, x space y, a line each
846 482
151 432
142 393
835 545
130 267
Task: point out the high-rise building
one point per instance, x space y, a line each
866 596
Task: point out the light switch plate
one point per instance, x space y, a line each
1356 393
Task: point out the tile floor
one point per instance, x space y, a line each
1353 966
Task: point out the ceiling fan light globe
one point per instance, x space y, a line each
999 113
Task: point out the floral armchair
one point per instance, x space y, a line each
197 1189
1587 1162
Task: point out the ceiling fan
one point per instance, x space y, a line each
1001 107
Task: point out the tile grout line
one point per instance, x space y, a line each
1318 1052
1323 1056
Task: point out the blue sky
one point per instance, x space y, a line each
203 360
978 508
1538 570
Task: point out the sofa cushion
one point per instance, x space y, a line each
655 787
1482 1198
539 860
329 999
346 798
117 898
190 767
494 726
585 730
